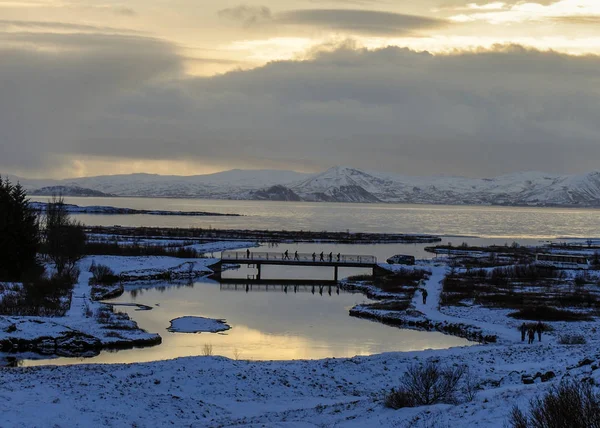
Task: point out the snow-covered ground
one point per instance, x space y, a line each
348 392
218 392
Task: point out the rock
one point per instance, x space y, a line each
585 362
547 376
527 379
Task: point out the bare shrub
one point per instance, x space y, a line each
572 339
397 399
103 315
207 350
103 274
41 296
65 238
570 404
427 384
470 384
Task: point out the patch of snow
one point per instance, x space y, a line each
190 324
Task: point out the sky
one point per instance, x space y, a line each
183 87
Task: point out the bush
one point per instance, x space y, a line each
572 339
427 384
136 249
399 399
103 274
570 404
41 296
548 313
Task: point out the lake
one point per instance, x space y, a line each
481 221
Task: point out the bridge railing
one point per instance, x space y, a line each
244 256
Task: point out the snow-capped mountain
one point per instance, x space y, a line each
344 184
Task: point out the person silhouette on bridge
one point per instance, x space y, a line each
286 255
248 253
296 256
314 256
330 257
321 257
338 256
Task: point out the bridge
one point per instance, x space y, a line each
286 258
295 287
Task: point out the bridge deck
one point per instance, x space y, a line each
298 259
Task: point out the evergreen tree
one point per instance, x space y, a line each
19 234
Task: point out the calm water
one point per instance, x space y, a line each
482 221
265 325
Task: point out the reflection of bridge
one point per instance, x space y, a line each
281 288
287 258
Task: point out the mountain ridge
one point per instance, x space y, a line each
347 184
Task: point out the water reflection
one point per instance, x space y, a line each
267 323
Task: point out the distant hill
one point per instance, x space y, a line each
343 184
68 191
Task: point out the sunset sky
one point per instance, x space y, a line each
429 87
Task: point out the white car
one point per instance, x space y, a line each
401 259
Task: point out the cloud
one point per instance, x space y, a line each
359 21
53 84
6 25
248 15
348 20
125 11
476 113
579 19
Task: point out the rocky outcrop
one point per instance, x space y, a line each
69 343
275 193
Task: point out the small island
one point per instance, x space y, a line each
190 324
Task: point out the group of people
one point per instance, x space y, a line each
286 256
530 331
322 257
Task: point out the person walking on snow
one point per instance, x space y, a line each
539 327
531 335
424 294
523 330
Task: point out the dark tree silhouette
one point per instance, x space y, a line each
19 234
64 237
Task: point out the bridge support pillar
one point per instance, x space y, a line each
335 273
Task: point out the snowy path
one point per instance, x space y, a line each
432 312
81 293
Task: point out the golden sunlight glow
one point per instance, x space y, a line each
85 167
497 13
